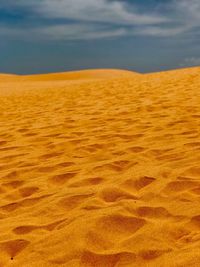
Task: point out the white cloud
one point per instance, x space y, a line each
79 32
188 10
160 31
190 61
96 19
63 32
104 11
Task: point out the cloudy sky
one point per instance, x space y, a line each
39 36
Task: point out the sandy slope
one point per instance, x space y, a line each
100 172
8 77
81 75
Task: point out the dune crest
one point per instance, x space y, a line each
100 169
81 75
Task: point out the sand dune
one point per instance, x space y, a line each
8 77
100 169
80 75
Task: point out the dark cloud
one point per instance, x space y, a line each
172 22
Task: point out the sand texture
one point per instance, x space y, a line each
100 169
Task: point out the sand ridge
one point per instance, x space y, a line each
100 172
81 75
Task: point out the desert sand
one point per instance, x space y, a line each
100 169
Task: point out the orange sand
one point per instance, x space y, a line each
100 169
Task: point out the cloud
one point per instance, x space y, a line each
159 31
104 11
188 11
190 61
97 19
79 32
116 12
63 32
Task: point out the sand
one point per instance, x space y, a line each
100 169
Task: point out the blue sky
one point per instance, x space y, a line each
38 36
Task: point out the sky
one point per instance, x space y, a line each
41 36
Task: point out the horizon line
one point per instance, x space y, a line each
96 69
